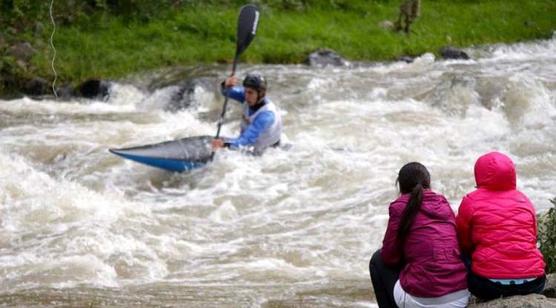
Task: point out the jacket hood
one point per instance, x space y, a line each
434 205
495 171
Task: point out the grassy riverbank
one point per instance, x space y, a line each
111 44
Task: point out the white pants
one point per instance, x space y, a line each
452 300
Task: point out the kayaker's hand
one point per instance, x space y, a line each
217 144
231 81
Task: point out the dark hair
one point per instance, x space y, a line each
413 178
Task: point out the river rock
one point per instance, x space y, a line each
66 92
325 57
36 87
94 89
406 59
178 88
186 94
453 53
22 51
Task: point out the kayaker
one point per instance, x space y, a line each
261 124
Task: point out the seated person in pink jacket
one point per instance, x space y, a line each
419 264
497 230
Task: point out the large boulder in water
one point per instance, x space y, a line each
182 87
406 59
36 87
325 57
451 53
66 92
188 92
94 89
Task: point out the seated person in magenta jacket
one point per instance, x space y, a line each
261 125
497 229
419 264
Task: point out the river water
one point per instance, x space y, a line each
296 227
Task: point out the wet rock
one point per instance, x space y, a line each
325 57
406 59
550 287
453 53
94 89
187 93
66 92
36 87
178 88
22 51
527 301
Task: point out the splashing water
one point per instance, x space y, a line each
82 227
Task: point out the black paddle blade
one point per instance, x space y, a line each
246 27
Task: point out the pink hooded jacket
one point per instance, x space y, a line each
430 257
497 224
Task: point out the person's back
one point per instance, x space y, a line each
497 229
419 264
433 266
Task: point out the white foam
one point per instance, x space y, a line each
310 215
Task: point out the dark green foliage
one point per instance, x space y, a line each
547 237
114 38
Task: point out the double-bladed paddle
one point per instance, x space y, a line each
246 29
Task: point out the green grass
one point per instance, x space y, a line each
108 46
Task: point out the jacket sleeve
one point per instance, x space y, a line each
464 225
252 132
236 93
392 251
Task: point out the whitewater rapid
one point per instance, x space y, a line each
293 227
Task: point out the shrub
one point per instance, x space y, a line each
547 237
